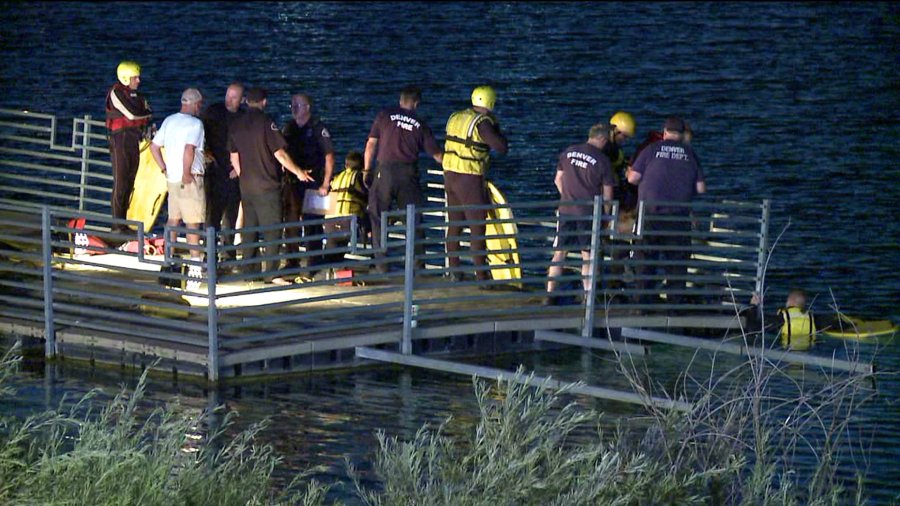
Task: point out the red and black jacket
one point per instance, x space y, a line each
133 101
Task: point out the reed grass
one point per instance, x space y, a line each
739 445
121 456
532 445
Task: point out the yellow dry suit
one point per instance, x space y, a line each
350 192
799 329
464 150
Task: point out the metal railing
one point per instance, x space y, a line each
34 167
212 300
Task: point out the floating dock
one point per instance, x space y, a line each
207 312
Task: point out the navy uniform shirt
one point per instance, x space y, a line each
670 171
308 146
585 171
402 135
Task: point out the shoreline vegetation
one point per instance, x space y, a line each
737 446
531 445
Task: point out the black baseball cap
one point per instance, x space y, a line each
674 124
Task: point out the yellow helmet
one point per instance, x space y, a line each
484 96
127 70
624 123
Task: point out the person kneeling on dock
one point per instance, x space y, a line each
352 196
582 173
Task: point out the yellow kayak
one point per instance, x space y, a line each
855 328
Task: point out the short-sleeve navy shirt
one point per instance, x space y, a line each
308 145
585 171
402 135
670 171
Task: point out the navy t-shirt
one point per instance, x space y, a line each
670 171
585 171
402 135
255 137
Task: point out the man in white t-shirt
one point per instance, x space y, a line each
182 135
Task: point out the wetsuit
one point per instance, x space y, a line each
127 114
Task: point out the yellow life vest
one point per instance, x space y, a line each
346 187
464 150
799 329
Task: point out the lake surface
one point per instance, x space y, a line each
797 103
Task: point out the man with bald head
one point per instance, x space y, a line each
223 194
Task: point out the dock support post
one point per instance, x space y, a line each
85 159
212 313
589 301
408 277
47 254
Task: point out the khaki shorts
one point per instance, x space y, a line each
187 202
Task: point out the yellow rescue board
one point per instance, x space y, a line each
854 328
505 243
149 190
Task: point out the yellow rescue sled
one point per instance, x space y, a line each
855 328
501 238
150 190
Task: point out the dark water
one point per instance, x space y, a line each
797 103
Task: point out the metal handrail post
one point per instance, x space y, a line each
85 160
763 246
639 229
47 250
354 234
212 313
761 261
596 227
408 277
